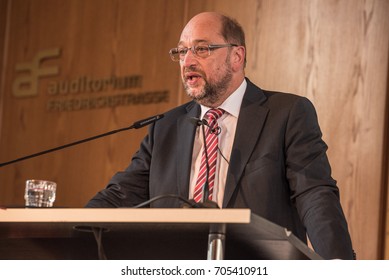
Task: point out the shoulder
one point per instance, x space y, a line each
181 110
177 116
277 99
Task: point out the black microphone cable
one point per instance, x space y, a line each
98 231
135 125
206 184
188 202
216 131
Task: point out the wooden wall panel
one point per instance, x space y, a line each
336 54
98 39
333 52
3 21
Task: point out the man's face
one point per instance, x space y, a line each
207 79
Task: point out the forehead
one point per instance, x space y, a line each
202 30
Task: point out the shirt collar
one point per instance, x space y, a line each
232 104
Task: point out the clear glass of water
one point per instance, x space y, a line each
40 193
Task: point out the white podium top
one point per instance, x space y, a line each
124 215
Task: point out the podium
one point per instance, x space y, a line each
161 234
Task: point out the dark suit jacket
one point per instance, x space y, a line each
278 169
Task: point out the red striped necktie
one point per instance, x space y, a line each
210 148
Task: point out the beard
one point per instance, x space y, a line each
212 91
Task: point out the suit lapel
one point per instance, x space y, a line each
185 138
252 117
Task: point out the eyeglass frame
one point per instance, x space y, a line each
210 47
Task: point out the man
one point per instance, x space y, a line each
265 151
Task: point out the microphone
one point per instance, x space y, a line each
136 125
204 122
144 122
206 202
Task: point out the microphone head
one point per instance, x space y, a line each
217 130
196 121
205 122
147 121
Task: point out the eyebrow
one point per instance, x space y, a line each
194 41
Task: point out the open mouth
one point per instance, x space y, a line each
192 77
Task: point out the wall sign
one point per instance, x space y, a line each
84 92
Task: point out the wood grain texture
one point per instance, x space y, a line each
385 196
3 35
336 54
97 39
333 52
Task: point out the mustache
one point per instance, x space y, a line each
192 68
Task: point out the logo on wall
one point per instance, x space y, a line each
83 92
27 84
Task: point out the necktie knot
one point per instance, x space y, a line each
214 114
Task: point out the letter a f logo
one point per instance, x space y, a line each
27 85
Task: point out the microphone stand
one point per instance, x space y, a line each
136 125
206 203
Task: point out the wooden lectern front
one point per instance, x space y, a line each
56 233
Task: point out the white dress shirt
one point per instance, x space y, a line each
227 123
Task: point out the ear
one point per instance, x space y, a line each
238 58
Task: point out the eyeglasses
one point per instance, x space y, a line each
202 51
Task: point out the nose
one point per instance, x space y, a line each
189 59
